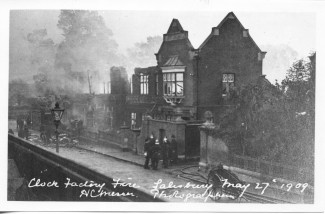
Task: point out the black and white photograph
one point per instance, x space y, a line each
200 105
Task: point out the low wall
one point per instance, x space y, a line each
124 138
31 161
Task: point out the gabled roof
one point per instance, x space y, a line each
175 27
173 61
230 15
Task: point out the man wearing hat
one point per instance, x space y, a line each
149 142
155 152
173 150
165 152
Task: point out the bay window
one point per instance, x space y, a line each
173 84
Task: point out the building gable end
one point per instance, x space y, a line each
215 31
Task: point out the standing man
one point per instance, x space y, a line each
165 147
155 154
173 150
149 142
26 131
146 152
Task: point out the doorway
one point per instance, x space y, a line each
162 134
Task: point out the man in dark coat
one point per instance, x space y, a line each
165 147
155 152
20 127
146 151
149 142
26 131
173 150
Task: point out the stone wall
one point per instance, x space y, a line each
213 150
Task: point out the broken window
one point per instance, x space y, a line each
157 87
133 120
173 84
109 88
228 84
131 86
143 84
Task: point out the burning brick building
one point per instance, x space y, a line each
104 111
187 82
172 97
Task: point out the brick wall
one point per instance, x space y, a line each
171 128
119 80
183 49
228 52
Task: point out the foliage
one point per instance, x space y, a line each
87 43
43 51
46 103
276 122
18 92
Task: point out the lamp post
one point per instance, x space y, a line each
57 113
242 136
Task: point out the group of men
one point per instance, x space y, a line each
155 150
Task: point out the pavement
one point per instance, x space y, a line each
168 186
188 170
128 165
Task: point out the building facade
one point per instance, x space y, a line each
187 82
173 96
228 59
104 111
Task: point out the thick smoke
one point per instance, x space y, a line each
84 52
142 54
88 50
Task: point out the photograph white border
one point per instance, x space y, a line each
165 5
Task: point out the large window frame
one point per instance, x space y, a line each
144 84
173 84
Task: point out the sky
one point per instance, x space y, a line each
285 36
294 29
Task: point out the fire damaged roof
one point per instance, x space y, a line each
147 70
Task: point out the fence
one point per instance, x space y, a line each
214 150
111 138
267 168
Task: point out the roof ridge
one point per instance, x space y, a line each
175 27
221 23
